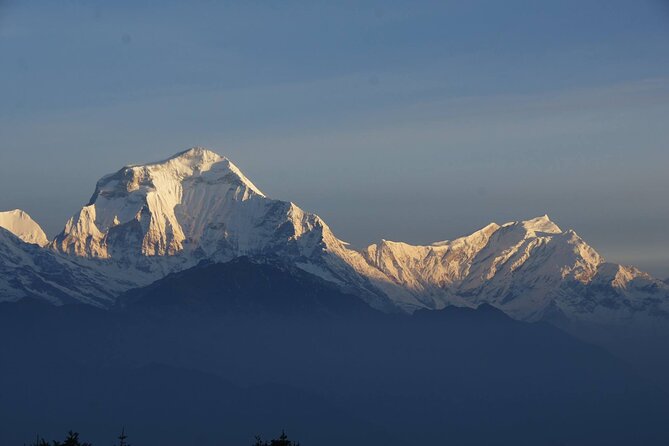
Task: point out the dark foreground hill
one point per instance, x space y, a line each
219 353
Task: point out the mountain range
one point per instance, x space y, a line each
183 303
145 222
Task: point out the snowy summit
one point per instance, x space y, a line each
23 226
145 221
163 205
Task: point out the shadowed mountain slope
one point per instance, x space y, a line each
235 354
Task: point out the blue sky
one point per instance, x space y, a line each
416 121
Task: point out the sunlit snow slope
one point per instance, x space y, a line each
21 225
145 221
530 269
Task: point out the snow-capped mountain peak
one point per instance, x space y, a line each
154 209
541 224
529 269
145 221
196 161
23 226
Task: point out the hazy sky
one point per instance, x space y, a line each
404 120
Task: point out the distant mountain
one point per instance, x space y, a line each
242 286
27 270
23 226
531 269
168 216
147 221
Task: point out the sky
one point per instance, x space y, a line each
404 120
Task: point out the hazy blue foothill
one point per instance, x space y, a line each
261 347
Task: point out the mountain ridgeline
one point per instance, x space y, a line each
146 221
183 303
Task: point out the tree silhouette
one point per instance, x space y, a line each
122 438
72 439
40 442
281 441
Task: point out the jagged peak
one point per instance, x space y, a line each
197 158
183 194
538 224
191 161
542 224
620 275
196 152
195 161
